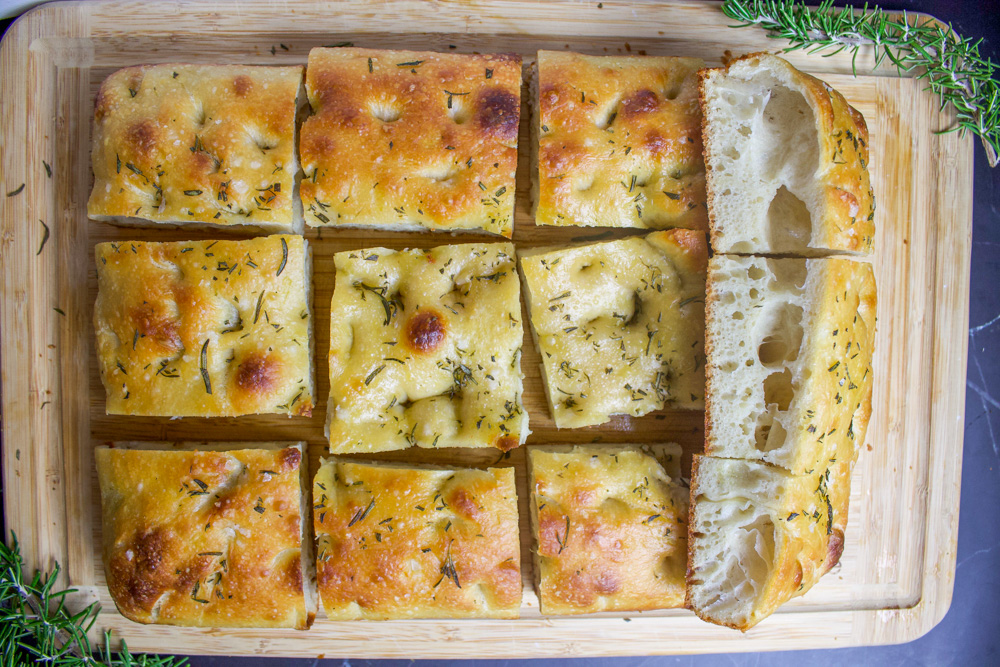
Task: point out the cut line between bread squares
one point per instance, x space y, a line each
198 145
616 141
619 325
205 328
406 140
610 527
425 349
215 537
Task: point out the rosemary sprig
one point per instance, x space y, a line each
949 63
36 627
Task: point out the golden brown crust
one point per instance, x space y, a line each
846 212
619 142
610 528
416 543
191 143
620 325
204 328
204 538
405 139
425 349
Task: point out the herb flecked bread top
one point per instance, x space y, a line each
205 328
620 325
398 542
411 140
197 144
618 142
425 349
205 538
610 527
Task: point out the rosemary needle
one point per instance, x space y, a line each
949 63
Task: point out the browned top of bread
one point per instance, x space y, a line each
191 143
204 328
619 142
405 139
397 542
204 538
610 527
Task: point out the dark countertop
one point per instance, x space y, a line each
970 632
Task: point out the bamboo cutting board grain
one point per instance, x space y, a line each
895 578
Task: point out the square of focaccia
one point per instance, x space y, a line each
205 328
789 344
204 144
398 542
618 142
425 349
207 538
620 325
760 535
610 527
409 140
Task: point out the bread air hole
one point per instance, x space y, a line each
788 146
789 274
769 434
385 111
789 224
757 548
458 110
783 335
778 389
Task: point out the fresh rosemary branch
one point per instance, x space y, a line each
37 628
949 63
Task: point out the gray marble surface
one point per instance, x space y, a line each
970 632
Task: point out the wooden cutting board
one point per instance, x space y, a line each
896 575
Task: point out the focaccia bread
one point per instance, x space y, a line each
620 325
207 144
618 142
787 161
406 140
404 542
425 349
207 538
759 536
789 372
205 328
610 526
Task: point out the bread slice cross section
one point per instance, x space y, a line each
787 162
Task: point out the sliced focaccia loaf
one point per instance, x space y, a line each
787 162
789 345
